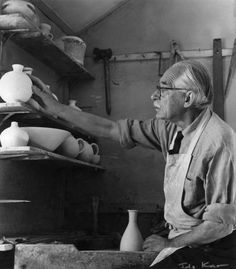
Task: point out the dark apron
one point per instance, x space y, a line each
219 254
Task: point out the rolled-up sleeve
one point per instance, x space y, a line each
221 213
148 133
221 188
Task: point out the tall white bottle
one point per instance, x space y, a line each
132 239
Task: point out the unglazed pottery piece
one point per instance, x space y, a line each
15 85
14 136
131 239
46 138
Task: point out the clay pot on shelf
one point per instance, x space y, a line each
14 136
69 147
15 85
132 239
72 103
23 7
45 138
96 159
59 43
75 47
46 30
87 150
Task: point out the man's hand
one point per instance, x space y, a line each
45 101
155 243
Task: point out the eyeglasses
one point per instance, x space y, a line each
158 93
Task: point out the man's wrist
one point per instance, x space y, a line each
58 109
174 243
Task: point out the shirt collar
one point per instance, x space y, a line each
206 113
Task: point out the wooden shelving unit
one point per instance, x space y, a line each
45 50
41 47
32 153
30 38
24 113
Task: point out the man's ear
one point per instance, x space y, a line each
189 98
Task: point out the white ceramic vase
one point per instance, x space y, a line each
15 85
14 136
72 103
132 239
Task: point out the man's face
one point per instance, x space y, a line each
169 103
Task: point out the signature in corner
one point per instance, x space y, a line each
208 265
186 265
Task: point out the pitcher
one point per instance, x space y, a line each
87 150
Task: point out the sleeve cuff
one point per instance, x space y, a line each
221 213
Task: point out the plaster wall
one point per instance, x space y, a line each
134 178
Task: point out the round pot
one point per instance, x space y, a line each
15 85
23 7
75 47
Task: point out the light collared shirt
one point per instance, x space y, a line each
211 178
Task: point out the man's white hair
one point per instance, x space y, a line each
195 77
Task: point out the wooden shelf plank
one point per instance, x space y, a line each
41 47
45 50
32 153
11 201
16 107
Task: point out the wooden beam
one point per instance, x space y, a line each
155 55
232 68
102 17
218 102
53 16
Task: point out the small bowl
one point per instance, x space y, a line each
46 138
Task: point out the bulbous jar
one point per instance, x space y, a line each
14 136
132 239
75 47
15 85
23 7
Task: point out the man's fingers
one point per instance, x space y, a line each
38 99
37 91
38 83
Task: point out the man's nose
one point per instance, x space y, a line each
155 96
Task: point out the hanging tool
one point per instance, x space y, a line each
218 102
232 67
105 55
175 53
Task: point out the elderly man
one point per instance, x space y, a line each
199 149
